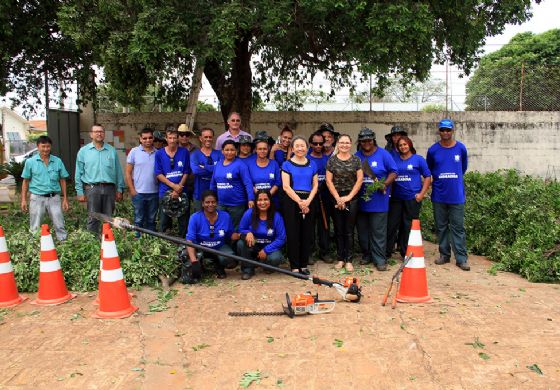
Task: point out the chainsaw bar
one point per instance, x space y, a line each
255 313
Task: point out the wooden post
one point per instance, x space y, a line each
193 96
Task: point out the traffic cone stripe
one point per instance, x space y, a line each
47 243
6 268
113 275
416 262
49 266
3 244
415 238
110 250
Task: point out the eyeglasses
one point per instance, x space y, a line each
147 138
172 162
211 231
317 143
443 130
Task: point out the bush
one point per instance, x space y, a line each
142 260
513 220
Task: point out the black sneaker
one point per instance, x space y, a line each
221 274
381 267
310 261
365 261
464 266
246 276
304 271
442 260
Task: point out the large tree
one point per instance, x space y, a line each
142 43
523 75
33 51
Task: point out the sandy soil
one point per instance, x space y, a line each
480 332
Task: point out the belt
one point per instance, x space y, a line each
51 195
302 192
100 184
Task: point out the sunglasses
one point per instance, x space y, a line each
317 143
445 130
147 138
211 231
172 162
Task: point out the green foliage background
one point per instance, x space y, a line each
513 220
143 260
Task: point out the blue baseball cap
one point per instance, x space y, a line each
446 124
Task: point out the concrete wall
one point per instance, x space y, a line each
527 141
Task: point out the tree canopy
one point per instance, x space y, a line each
523 75
145 43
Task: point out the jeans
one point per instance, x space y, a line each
401 214
165 221
100 199
344 221
37 207
145 210
450 224
235 213
275 258
372 236
220 262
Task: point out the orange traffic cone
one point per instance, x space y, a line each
52 288
9 295
414 284
114 301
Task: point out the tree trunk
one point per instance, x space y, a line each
234 93
193 96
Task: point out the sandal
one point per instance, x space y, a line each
349 267
339 265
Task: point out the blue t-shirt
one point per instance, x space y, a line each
382 164
395 154
232 183
280 156
448 165
248 160
203 168
272 239
173 172
321 163
264 178
212 236
301 176
409 180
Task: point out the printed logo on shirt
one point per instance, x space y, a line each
229 175
271 175
409 167
179 163
448 175
321 177
262 186
221 233
270 232
403 178
457 158
210 244
224 186
374 164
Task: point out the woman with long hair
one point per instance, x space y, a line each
409 188
262 234
232 183
344 180
300 183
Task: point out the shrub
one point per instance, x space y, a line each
512 219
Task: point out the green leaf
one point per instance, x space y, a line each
198 347
338 343
483 356
270 339
476 344
535 368
249 377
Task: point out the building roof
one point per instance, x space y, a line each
38 125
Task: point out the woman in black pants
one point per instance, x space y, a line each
300 183
344 180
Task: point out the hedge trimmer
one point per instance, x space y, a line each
349 289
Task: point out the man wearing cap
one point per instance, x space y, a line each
233 132
392 139
448 161
185 134
141 181
44 175
159 140
172 166
246 147
330 136
98 179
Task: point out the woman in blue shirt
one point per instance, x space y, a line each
262 234
300 183
232 183
409 188
265 173
282 151
214 229
378 165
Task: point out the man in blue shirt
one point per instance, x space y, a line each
99 178
44 175
448 161
172 167
141 181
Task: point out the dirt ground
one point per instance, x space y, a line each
480 332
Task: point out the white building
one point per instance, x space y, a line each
13 134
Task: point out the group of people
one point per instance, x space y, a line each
254 196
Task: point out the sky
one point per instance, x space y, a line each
545 17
